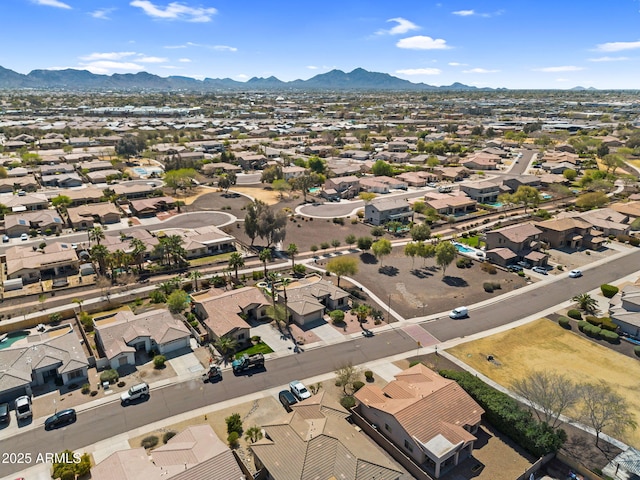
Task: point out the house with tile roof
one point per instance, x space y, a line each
385 210
56 259
40 220
430 418
39 359
307 303
83 217
515 242
122 335
193 454
315 441
624 310
571 233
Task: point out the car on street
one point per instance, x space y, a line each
4 413
139 391
575 273
287 399
5 239
24 237
299 390
460 312
63 417
540 270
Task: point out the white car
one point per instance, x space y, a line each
24 237
460 312
299 390
575 273
134 393
23 407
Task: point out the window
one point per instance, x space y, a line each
241 336
408 446
387 427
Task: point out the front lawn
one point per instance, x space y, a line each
222 257
257 348
472 241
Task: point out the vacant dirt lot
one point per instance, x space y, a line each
544 345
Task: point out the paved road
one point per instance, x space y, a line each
112 419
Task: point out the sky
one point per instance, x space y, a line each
516 44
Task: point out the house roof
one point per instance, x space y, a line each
564 224
223 309
518 233
25 258
389 204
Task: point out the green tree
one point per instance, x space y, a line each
364 243
591 200
335 243
366 196
138 252
350 239
305 182
96 234
382 168
62 202
253 434
225 345
281 186
100 254
180 179
178 301
378 231
445 254
570 174
346 376
317 165
236 261
341 266
130 145
194 275
279 314
586 302
254 210
381 248
527 196
265 256
226 181
271 174
420 232
292 251
612 162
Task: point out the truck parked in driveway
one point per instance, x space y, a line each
246 362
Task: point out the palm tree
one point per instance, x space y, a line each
100 254
253 434
265 256
195 275
362 311
586 302
292 251
225 345
96 234
139 249
236 261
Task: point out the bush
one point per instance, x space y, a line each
337 317
575 314
464 262
504 413
582 324
299 269
121 384
357 385
339 221
156 296
256 275
489 268
234 423
608 291
348 402
564 322
634 241
110 376
521 274
608 324
158 361
593 320
368 375
232 439
256 339
609 336
86 388
636 350
488 287
93 393
592 331
149 442
168 436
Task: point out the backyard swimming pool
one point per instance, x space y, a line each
463 248
146 171
12 338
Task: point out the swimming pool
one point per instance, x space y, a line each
463 248
12 338
146 171
314 189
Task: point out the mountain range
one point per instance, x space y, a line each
74 80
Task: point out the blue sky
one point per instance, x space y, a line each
489 43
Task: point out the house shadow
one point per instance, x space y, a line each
389 270
455 281
368 258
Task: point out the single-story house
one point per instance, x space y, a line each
308 302
56 259
40 220
84 216
148 207
624 310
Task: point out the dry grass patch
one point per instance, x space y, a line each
270 197
544 345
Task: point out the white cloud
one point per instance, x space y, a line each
170 67
464 13
219 48
403 26
109 66
175 11
52 3
617 46
242 76
480 70
102 14
420 71
473 13
457 64
223 48
152 60
563 68
562 79
422 42
312 67
107 56
184 60
608 59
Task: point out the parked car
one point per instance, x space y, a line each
524 264
287 399
299 390
5 239
63 417
24 237
23 407
540 270
140 390
514 268
460 312
4 413
575 273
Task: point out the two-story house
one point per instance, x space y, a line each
516 242
482 192
383 211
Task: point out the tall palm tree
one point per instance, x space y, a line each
195 275
265 256
586 302
139 249
362 311
236 261
292 251
96 234
100 254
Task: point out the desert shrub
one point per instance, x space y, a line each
609 336
121 384
86 388
592 330
575 314
560 267
158 361
521 274
232 439
149 442
564 322
414 363
634 241
636 350
256 275
608 291
299 269
464 262
368 374
339 221
348 402
234 423
110 376
623 238
489 268
582 324
608 324
337 317
357 385
168 436
256 339
87 321
488 287
354 221
156 296
593 320
496 285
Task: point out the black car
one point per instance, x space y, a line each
287 399
63 417
4 413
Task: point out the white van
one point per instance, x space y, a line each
460 312
137 391
23 407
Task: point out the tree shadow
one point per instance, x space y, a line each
455 281
389 270
421 273
368 258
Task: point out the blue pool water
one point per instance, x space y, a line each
546 196
12 338
495 204
314 190
146 171
462 248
